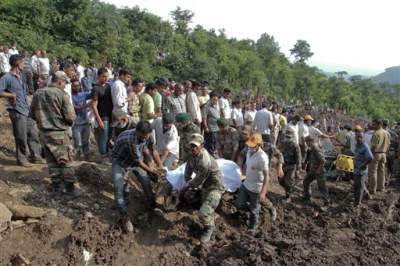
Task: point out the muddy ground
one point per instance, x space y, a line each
86 232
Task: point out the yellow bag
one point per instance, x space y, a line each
345 163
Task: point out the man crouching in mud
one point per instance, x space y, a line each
133 151
209 179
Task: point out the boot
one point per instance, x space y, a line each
126 222
71 190
126 193
207 233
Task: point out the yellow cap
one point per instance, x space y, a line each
254 140
358 128
308 117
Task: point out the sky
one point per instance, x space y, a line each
357 36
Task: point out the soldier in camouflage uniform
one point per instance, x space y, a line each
208 179
315 170
227 140
53 112
292 161
185 130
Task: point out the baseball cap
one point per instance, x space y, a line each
254 140
197 139
308 117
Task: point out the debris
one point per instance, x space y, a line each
23 211
19 260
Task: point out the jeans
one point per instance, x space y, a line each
249 200
81 135
102 137
26 136
118 174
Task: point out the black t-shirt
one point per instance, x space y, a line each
102 94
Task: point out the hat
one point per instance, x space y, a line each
168 118
222 122
308 117
196 139
254 140
60 75
358 128
183 117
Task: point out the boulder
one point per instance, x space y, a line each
5 214
23 212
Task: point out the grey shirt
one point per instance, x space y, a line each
14 84
213 114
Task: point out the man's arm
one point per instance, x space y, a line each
264 186
68 110
93 105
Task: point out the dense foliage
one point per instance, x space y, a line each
143 42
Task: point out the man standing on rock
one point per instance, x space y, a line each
15 89
209 179
54 114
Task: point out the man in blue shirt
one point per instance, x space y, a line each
362 157
14 89
81 128
134 150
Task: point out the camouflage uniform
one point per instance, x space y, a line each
209 178
316 161
185 137
292 162
54 114
228 142
134 107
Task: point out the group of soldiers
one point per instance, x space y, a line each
164 124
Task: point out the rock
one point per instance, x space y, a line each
22 211
31 221
5 214
17 224
19 260
88 215
96 206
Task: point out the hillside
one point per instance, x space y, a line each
390 76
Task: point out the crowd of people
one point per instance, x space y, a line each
144 127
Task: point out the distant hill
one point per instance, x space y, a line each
391 76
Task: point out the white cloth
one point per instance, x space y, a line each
43 66
303 130
230 174
225 108
119 96
249 115
263 121
237 116
315 133
4 63
193 106
256 164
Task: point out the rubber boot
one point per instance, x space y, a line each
71 191
207 233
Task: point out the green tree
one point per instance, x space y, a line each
301 51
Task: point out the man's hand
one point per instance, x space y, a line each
12 99
262 198
280 172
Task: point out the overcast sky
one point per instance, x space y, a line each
359 36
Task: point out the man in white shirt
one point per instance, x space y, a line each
254 188
43 65
263 122
225 105
316 134
293 125
249 115
80 69
167 140
192 102
237 115
119 92
4 60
